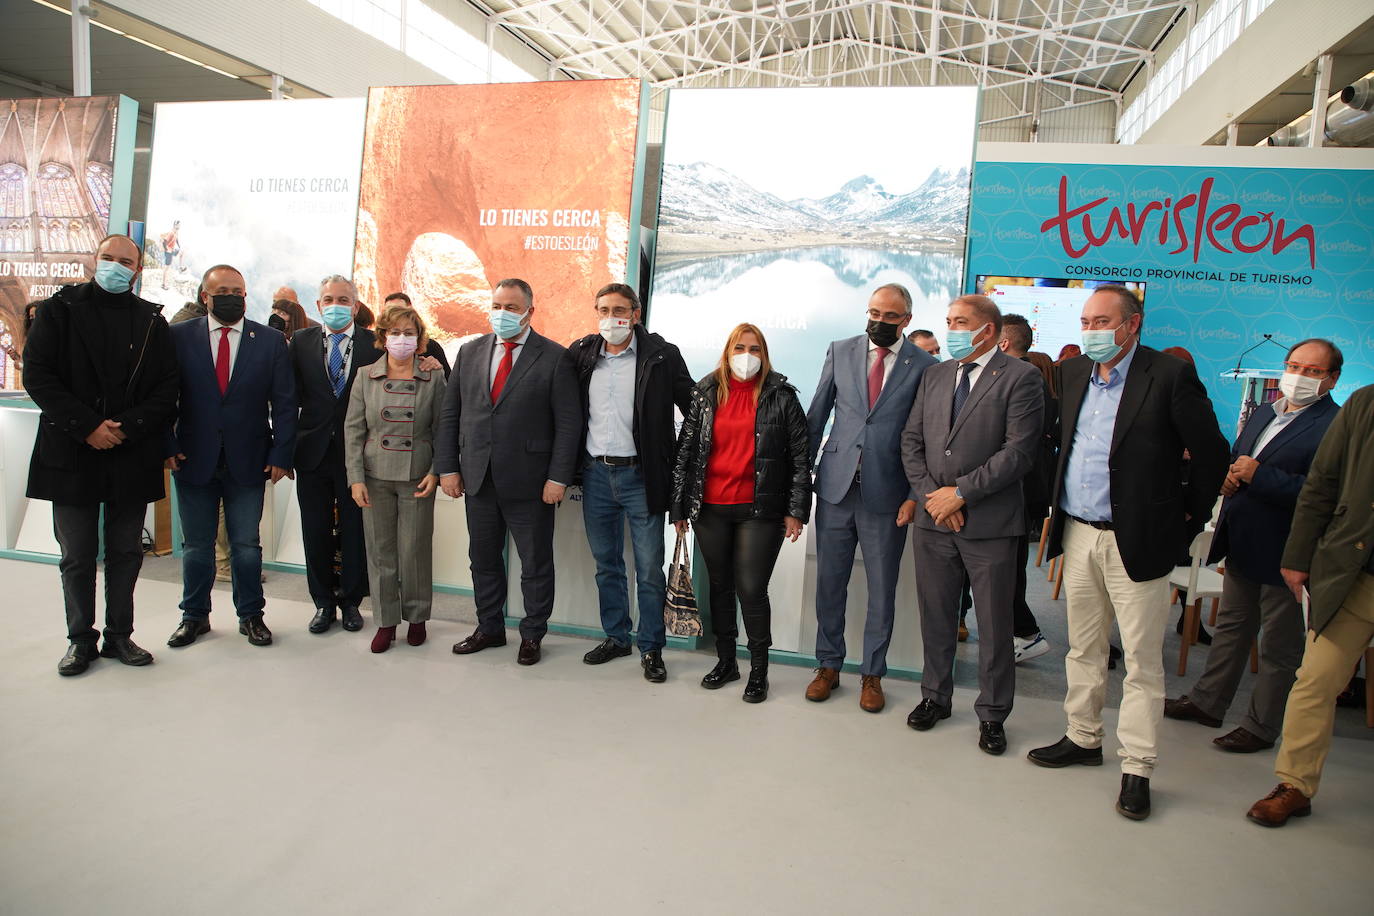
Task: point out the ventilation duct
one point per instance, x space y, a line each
1349 120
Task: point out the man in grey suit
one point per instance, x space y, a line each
508 439
971 437
868 383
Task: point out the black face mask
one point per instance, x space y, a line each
277 322
227 309
882 333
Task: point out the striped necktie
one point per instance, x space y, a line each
336 363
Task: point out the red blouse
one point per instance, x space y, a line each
730 469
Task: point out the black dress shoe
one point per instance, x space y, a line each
924 716
78 658
1185 709
1242 741
605 651
654 669
352 618
1134 800
187 632
124 649
1065 753
529 653
256 630
992 738
479 641
322 621
725 671
756 688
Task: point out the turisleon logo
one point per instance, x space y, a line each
1185 222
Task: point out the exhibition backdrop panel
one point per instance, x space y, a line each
1231 244
66 167
786 208
463 186
270 187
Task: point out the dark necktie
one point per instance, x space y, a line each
336 364
961 391
875 375
503 370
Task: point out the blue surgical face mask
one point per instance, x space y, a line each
505 324
1101 346
960 343
337 317
113 277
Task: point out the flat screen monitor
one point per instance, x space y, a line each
1052 305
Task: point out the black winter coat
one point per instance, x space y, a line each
65 371
782 457
661 382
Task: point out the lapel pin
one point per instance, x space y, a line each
252 333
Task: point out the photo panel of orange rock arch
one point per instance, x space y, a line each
463 186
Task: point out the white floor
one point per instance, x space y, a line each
314 777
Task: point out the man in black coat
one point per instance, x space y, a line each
100 364
631 380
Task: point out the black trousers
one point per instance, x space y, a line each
78 531
320 492
530 523
740 552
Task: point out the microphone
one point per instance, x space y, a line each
1268 338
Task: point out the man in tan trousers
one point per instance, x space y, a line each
1330 553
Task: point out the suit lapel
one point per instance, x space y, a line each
987 377
1072 397
1300 424
1138 382
533 349
248 348
1254 428
901 365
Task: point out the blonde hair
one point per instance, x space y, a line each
398 311
722 372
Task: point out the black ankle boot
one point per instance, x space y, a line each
756 690
725 671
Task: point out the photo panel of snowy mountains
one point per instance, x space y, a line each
787 207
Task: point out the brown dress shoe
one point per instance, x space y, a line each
1188 711
529 652
477 642
1278 806
826 680
871 694
1242 741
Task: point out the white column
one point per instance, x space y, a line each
1321 91
81 48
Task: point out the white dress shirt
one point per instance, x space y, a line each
888 360
345 348
1277 425
498 351
235 336
978 365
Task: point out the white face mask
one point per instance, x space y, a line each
1299 389
745 365
615 330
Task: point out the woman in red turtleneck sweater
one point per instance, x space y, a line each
743 476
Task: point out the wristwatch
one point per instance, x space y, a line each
958 493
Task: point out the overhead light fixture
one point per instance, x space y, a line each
91 13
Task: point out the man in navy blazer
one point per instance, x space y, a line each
868 383
1268 468
236 429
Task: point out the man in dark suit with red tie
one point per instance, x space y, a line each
236 429
508 439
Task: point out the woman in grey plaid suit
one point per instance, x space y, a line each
393 418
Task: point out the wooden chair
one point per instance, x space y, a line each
1044 537
1369 685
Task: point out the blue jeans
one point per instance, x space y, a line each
199 509
609 496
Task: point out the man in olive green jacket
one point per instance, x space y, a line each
1330 553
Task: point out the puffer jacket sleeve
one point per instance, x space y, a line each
685 464
799 454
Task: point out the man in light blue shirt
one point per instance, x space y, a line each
631 381
1087 489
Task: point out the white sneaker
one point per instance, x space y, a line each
1027 649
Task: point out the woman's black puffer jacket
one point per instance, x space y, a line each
782 460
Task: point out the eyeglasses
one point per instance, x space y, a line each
889 317
1316 372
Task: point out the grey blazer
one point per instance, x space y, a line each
529 436
986 453
391 425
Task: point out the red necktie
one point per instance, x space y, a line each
222 360
503 370
875 376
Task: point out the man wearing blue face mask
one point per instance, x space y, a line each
100 364
1122 516
508 439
